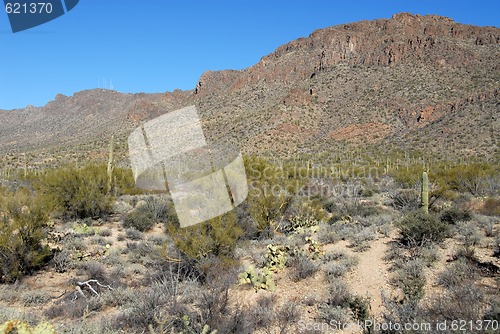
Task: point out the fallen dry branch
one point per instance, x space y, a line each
87 285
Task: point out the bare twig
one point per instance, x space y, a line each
87 285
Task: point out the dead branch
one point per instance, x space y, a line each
87 285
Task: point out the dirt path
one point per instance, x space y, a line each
371 275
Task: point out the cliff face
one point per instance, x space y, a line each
404 38
369 82
389 82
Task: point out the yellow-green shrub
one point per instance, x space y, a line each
23 227
217 236
271 190
123 182
78 192
491 207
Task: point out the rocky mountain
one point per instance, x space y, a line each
409 82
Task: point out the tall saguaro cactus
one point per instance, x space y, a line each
425 192
111 161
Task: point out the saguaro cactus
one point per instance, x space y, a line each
425 192
111 161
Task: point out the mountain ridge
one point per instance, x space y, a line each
383 82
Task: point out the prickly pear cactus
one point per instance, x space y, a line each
206 330
21 327
266 281
276 257
247 276
258 280
314 249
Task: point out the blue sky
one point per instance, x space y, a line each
161 45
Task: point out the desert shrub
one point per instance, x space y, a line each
338 293
458 273
303 266
496 250
401 312
410 279
406 199
123 182
78 192
336 307
473 178
418 228
358 209
330 206
270 194
469 234
327 234
367 192
360 240
338 264
216 236
286 315
455 215
339 299
72 308
342 231
385 230
160 302
146 306
54 311
133 234
334 313
105 232
10 293
360 307
166 304
33 298
139 219
153 210
23 227
487 224
62 261
262 313
429 254
491 207
407 177
96 270
214 302
159 208
461 301
74 241
476 179
493 311
98 240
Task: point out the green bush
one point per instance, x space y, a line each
153 210
78 192
270 194
454 215
141 219
406 199
218 236
123 182
418 228
23 227
491 207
